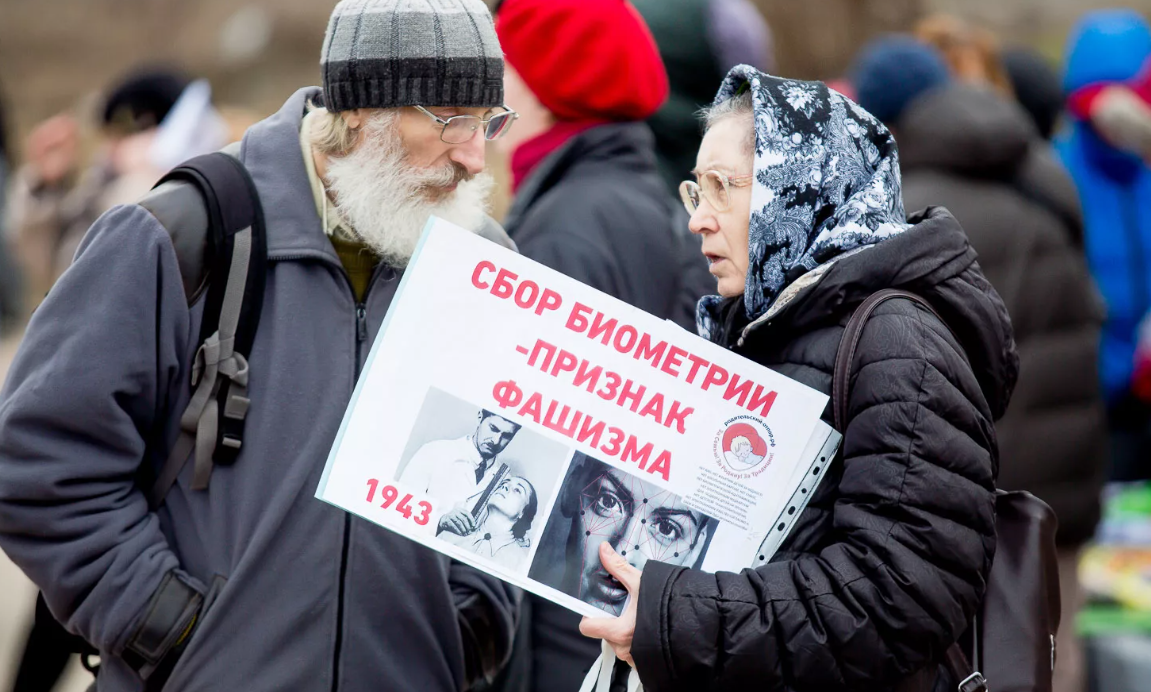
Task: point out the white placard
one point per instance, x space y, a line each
514 419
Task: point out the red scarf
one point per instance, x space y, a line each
531 153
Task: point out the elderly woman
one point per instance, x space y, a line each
798 202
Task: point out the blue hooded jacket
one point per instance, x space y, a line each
1114 188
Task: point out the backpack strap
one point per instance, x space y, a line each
966 677
212 425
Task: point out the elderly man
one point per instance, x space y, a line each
252 583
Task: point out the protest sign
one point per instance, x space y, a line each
513 418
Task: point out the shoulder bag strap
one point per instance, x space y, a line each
967 678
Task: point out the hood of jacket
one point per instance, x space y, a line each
1106 46
932 259
966 130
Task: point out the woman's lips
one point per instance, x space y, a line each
608 588
715 264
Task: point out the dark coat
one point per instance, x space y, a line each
977 155
597 211
889 562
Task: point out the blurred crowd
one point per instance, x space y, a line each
1046 164
75 166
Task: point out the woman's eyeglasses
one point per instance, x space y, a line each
459 129
713 186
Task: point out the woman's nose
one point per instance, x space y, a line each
702 222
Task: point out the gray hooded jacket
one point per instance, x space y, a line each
299 595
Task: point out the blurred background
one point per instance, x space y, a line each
58 54
63 57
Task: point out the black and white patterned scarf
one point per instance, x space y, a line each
826 182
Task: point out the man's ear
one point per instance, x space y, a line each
355 118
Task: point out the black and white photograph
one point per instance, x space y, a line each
490 478
639 519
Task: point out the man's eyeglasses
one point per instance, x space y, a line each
713 186
459 129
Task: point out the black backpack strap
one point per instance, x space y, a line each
966 677
212 425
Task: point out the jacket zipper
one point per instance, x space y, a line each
361 334
361 337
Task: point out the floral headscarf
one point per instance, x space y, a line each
826 182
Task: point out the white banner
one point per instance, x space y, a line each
514 419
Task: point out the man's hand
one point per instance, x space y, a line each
52 149
617 632
459 521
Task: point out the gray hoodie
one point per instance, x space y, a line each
314 599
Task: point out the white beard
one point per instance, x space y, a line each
385 199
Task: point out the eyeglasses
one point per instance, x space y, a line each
713 186
459 129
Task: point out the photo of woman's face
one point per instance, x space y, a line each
511 497
642 522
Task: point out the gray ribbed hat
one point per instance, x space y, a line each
391 53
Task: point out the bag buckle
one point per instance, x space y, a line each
974 683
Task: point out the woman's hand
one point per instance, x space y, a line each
618 631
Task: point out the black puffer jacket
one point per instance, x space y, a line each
889 562
980 157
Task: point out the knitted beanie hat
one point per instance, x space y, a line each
892 71
391 53
584 59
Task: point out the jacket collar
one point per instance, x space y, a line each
933 250
618 147
536 150
271 152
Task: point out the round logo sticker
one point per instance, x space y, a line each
744 447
